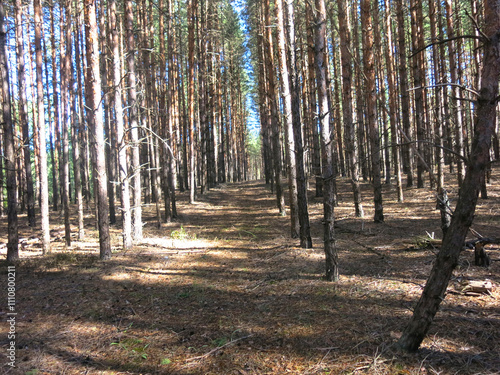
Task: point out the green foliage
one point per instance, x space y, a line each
181 234
135 348
166 361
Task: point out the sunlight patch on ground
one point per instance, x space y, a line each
180 244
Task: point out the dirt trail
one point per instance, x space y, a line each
223 290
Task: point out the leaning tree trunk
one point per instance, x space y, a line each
454 239
331 256
95 110
9 149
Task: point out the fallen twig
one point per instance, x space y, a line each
217 349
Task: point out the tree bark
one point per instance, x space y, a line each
371 104
272 98
95 110
44 184
349 129
287 111
9 147
454 239
133 124
66 101
23 113
305 230
403 89
190 78
120 129
320 49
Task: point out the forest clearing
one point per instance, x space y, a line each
223 290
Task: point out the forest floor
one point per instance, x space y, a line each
224 290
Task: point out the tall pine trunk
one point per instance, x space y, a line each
95 115
9 147
320 49
23 113
371 105
133 124
287 111
120 129
44 183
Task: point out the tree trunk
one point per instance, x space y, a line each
55 142
287 111
274 120
66 104
78 130
305 230
454 240
120 129
192 157
349 130
134 124
405 98
23 113
371 104
457 104
44 184
320 48
417 35
393 101
95 110
9 148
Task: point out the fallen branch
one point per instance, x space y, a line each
217 349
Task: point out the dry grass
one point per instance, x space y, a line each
223 290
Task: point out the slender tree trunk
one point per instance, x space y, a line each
9 149
438 102
55 144
371 104
134 124
403 87
120 129
65 94
274 120
331 255
305 230
95 110
417 36
44 184
192 156
23 113
393 101
457 113
78 130
453 241
347 111
173 92
287 111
